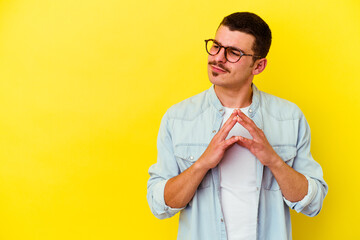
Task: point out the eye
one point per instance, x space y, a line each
215 46
234 52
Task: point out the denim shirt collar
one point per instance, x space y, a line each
214 100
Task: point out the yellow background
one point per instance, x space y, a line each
84 85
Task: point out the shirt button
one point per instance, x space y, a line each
214 131
250 110
191 157
222 220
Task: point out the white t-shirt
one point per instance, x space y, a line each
238 186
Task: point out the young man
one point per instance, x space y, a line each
233 159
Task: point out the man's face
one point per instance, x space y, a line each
231 75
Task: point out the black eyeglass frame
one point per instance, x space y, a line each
225 49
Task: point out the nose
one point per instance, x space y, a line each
220 57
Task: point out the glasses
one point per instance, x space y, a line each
232 54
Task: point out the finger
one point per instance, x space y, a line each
245 118
229 124
247 123
229 142
253 132
244 142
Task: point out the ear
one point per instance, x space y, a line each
259 66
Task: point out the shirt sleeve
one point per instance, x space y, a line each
164 169
304 163
312 190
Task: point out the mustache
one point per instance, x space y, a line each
214 63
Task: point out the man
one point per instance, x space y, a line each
233 159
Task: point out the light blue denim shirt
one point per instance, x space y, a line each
185 132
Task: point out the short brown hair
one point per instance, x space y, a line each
251 23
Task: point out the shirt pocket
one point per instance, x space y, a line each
187 155
287 154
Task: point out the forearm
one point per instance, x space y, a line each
180 189
293 185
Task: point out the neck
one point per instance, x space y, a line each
234 98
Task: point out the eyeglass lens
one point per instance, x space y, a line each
231 54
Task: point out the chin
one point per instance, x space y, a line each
215 81
215 78
219 83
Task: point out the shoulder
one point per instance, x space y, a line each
189 108
279 108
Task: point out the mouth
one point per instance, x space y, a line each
217 68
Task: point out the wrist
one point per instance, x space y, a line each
276 163
199 166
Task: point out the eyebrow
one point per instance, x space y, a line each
238 49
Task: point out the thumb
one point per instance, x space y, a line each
244 142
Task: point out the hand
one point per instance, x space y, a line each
219 144
259 145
